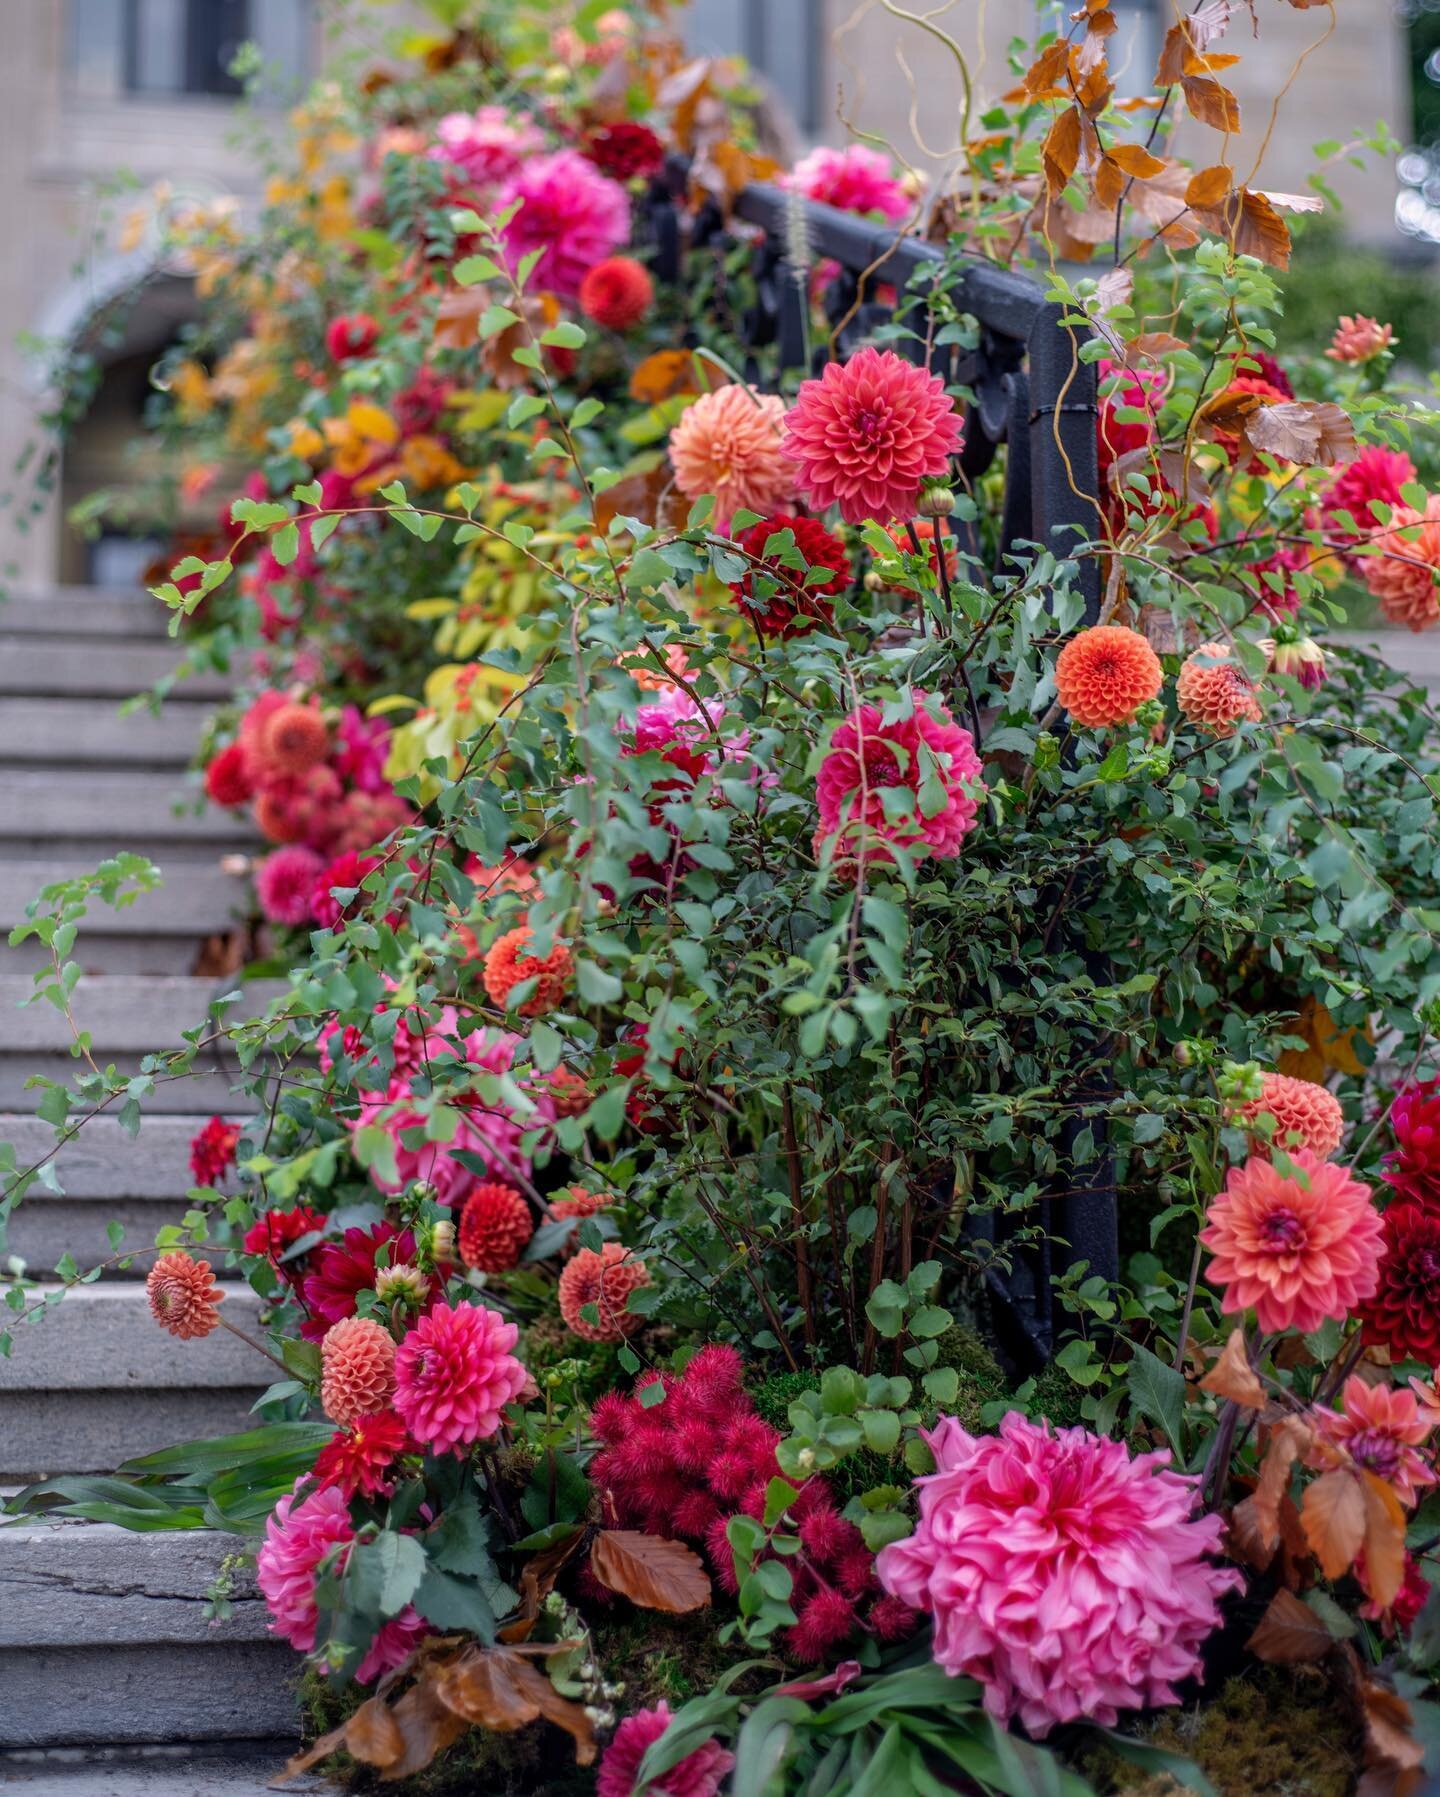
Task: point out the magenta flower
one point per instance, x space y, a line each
285 881
855 179
1068 1578
570 212
487 145
454 1375
699 1774
872 764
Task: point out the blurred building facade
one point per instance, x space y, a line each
93 90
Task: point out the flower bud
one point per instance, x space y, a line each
442 1240
401 1285
1184 1054
935 501
1238 1082
874 582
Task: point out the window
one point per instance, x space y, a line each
781 38
152 48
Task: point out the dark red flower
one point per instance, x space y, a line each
346 1268
778 598
212 1153
1404 1314
345 871
1269 370
351 336
1413 1165
360 1458
227 778
617 293
277 1232
1409 1600
625 149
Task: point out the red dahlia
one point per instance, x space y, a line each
625 149
1404 1314
277 1232
227 778
212 1152
360 1458
778 598
346 1268
353 335
1413 1165
617 293
494 1227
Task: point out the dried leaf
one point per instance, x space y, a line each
651 1572
1137 161
500 1689
1333 1513
1233 1377
1152 345
1251 224
1290 1633
1091 54
1045 74
457 318
1211 103
1313 434
1061 150
1114 288
1393 1756
373 1735
1286 1444
1208 22
669 372
1327 1048
1175 52
650 495
1210 186
1292 202
1109 181
426 1726
1384 1539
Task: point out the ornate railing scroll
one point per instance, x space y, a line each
1032 393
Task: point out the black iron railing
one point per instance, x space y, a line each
1031 393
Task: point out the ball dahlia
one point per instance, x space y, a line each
1298 1251
617 293
1403 570
699 1774
779 599
292 738
570 212
495 1225
1068 1578
868 433
454 1374
578 1201
184 1298
508 965
228 780
351 336
855 179
1402 1312
285 883
1305 1115
1214 692
1382 1427
357 1369
604 1277
928 754
1104 675
1413 1165
728 443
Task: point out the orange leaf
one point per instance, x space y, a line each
1174 53
499 1689
1286 1444
1333 1512
1045 73
373 1735
1290 1633
669 372
1137 161
1233 1377
1211 103
651 1572
1210 186
1109 181
1384 1540
1061 150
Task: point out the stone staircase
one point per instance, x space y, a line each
108 1667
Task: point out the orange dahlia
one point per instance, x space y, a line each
1402 573
1305 1115
357 1369
495 1225
604 1278
1358 339
1104 675
1214 692
507 965
580 1202
184 1297
568 1094
292 738
728 443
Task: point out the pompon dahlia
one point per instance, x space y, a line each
1296 1251
869 758
1403 567
778 598
292 738
1412 1166
454 1374
699 1774
1104 675
1305 1115
508 965
357 1369
1072 1580
1360 339
604 1277
1382 1427
625 149
617 293
1376 474
570 212
728 443
495 1224
1214 692
212 1151
1403 1308
351 336
184 1298
855 179
360 1458
285 883
228 780
867 433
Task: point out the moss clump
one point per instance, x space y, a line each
669 1658
1278 1732
1057 1396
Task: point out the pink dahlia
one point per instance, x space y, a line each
1070 1579
728 443
867 433
927 755
285 882
855 179
1295 1249
699 1774
454 1374
570 212
298 1538
487 145
1359 339
1413 1165
1377 473
1382 1427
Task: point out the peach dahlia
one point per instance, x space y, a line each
1105 674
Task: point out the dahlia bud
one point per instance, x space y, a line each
1184 1054
442 1240
874 583
401 1285
1301 659
1240 1082
424 1193
936 500
1150 714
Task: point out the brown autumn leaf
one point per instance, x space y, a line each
1061 150
1333 1513
1327 1048
1384 1539
650 495
537 1580
1228 412
1150 345
399 1739
1208 22
1290 1633
1116 287
457 319
1286 1443
1109 181
373 1735
1250 222
651 1572
500 1689
1161 202
1393 1757
1091 54
1313 434
1233 1377
1175 53
1046 72
1210 102
1137 161
669 372
1210 186
427 1727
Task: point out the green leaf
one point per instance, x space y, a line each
885 1308
381 1576
454 1603
1158 1392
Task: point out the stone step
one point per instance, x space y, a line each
104 1640
107 812
98 1381
244 1770
83 611
92 732
114 668
137 1181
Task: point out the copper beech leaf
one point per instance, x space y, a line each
1333 1513
1286 1444
1384 1539
499 1688
1301 430
1210 102
1233 1377
651 1572
1290 1633
1061 150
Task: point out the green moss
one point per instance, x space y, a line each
1057 1396
1278 1732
